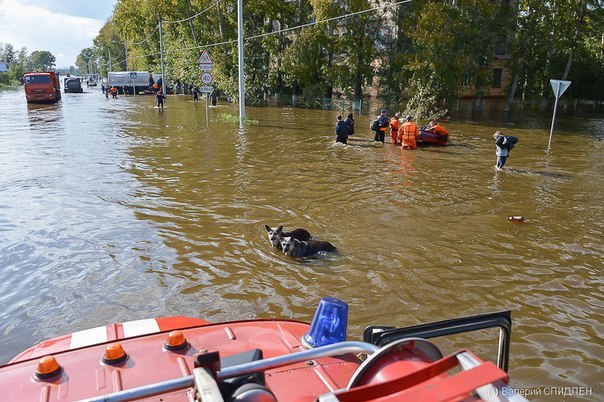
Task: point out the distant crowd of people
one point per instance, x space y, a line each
156 89
106 90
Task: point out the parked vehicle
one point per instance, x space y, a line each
129 82
73 85
42 87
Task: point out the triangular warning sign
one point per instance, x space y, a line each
205 58
559 86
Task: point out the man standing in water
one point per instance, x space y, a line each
342 130
408 132
394 122
503 145
380 125
160 99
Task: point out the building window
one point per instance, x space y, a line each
497 76
500 45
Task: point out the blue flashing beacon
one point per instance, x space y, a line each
329 324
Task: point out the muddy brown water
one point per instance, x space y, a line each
113 210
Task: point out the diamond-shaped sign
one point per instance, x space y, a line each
559 86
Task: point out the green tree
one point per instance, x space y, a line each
309 62
436 59
42 60
84 60
356 49
555 34
110 47
420 51
8 54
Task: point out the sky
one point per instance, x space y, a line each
62 27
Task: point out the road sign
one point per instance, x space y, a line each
205 58
559 86
208 89
205 61
207 78
132 75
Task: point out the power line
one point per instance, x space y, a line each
325 20
144 40
259 35
194 16
289 29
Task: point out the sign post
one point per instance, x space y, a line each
205 65
133 76
558 86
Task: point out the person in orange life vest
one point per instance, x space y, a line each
443 134
394 128
114 92
409 132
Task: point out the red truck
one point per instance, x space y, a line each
42 87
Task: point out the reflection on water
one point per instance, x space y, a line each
114 210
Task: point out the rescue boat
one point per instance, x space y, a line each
190 359
429 137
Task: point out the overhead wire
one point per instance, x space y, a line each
322 21
336 18
148 36
193 16
281 30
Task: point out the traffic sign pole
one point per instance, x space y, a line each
207 119
205 65
240 58
558 86
551 131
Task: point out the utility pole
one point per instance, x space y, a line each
109 49
240 52
161 54
126 51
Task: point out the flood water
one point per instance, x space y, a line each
113 210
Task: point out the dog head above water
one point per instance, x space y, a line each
274 235
287 244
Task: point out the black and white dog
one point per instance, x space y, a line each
275 235
304 248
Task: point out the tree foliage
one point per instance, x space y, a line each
42 60
422 53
